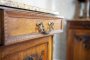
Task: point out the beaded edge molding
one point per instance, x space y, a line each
25 6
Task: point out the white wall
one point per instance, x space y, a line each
65 8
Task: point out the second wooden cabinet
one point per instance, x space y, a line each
78 40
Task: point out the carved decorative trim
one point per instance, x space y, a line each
79 24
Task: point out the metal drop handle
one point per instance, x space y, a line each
42 29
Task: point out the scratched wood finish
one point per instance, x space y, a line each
75 48
22 50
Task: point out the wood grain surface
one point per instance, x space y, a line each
76 48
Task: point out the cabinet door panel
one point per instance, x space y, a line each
80 50
77 46
41 50
37 52
12 57
28 53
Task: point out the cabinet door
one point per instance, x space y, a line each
12 57
81 46
36 49
38 52
42 52
80 52
28 54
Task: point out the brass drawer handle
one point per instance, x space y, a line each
51 26
42 29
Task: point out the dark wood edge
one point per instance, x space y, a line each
79 24
2 36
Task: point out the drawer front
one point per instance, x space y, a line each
22 25
18 23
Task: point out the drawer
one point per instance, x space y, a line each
19 25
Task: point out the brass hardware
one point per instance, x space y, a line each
51 26
41 27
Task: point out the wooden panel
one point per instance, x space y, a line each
50 48
37 52
34 52
79 24
0 54
1 27
23 26
76 48
70 43
80 52
24 49
12 57
42 51
20 37
28 52
18 23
